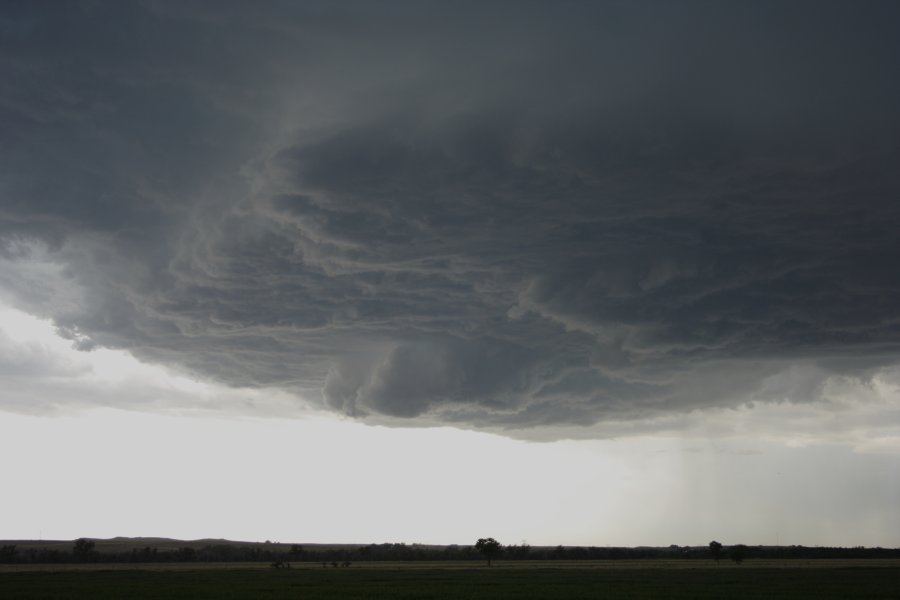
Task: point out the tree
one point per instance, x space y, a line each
185 554
518 552
83 550
737 553
715 548
489 547
8 553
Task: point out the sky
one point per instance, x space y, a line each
580 273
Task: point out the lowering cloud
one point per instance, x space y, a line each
511 216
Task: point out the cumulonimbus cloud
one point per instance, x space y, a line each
539 219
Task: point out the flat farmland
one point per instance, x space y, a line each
821 579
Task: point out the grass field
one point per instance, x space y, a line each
518 581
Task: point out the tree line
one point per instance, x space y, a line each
86 551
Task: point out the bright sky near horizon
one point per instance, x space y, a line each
104 472
606 273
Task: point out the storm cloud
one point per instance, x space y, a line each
493 215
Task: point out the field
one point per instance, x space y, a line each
638 579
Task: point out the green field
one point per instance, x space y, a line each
504 582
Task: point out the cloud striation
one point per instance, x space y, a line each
504 216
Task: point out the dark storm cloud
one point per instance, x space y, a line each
500 215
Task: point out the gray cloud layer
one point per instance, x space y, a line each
501 215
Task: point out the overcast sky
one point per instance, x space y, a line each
579 273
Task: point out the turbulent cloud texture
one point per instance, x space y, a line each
501 215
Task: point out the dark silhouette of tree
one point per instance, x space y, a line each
489 547
737 553
83 550
715 548
8 553
186 554
518 552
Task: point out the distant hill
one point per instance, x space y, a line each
126 544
